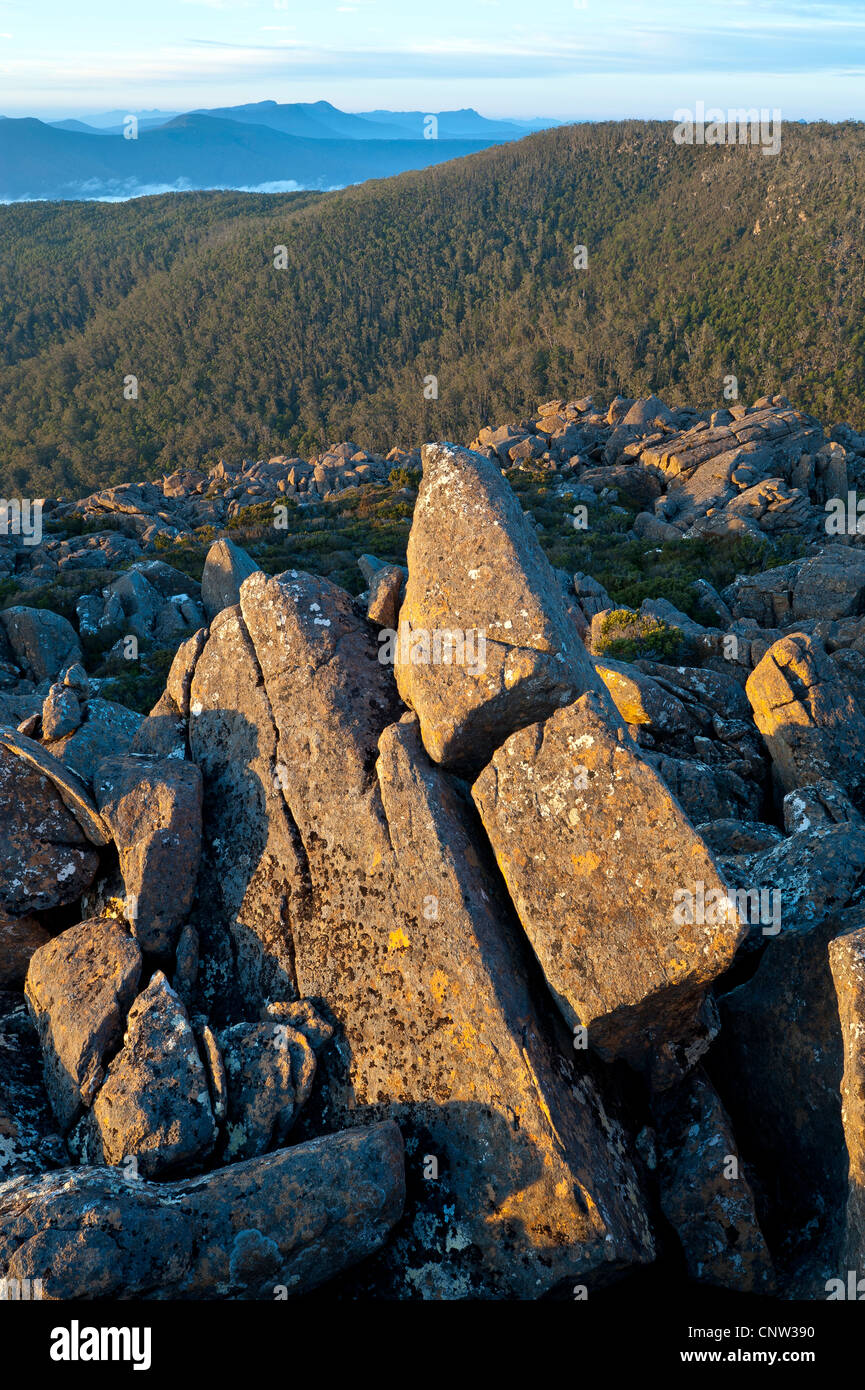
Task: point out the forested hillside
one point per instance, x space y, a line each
702 262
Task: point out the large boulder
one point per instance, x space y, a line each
153 807
809 721
46 859
831 584
42 642
272 1227
225 569
620 898
478 574
403 932
153 1106
79 987
253 881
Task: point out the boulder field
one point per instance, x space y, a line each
417 942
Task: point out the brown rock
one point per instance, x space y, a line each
847 962
153 807
808 719
476 569
45 857
78 989
154 1105
620 898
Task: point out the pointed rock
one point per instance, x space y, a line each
477 571
154 1105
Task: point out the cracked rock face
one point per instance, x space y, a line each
476 567
620 898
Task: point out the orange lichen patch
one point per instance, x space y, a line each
398 941
585 863
438 986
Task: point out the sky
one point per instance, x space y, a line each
565 59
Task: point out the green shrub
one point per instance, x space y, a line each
626 636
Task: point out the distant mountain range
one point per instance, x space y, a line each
264 146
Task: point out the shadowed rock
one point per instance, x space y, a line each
153 807
225 569
270 1227
79 987
153 1105
706 1196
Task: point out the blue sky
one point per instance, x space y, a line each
589 59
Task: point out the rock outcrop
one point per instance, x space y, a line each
498 925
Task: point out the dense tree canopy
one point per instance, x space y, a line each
703 262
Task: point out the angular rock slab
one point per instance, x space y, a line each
476 566
809 720
153 807
78 990
600 860
253 882
43 642
291 1221
69 787
847 962
153 1106
45 858
520 1178
705 1194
